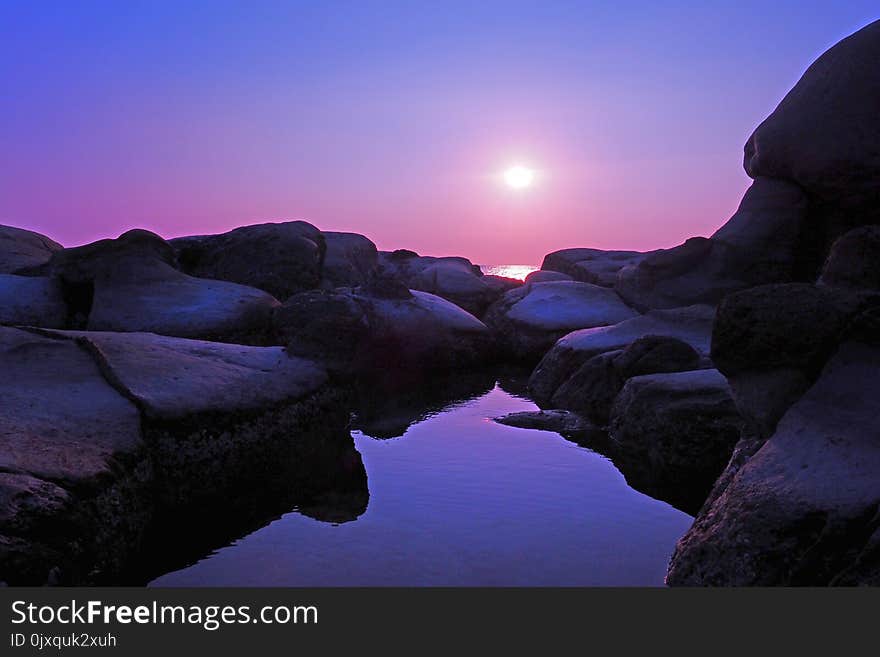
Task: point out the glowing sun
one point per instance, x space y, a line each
519 177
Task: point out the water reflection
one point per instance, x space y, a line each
462 501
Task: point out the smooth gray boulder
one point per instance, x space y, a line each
171 378
279 258
61 421
591 265
803 509
592 389
528 320
32 300
130 284
677 431
160 299
763 242
692 325
350 260
854 260
23 249
825 136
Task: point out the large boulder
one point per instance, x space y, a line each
591 265
350 260
854 260
453 278
825 137
279 258
129 284
105 437
528 320
676 432
36 301
171 378
163 300
71 453
771 342
692 325
761 243
591 390
23 249
381 328
803 509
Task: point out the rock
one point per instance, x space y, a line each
455 279
591 390
761 243
557 420
546 276
129 284
60 419
163 300
35 301
591 265
331 327
279 258
171 378
131 252
23 249
528 320
681 428
71 448
803 509
692 325
370 331
771 342
825 136
854 260
350 259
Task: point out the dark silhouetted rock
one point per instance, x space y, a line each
761 243
279 258
369 331
557 420
692 325
591 265
854 260
31 301
350 260
825 137
591 390
23 249
681 428
528 320
803 509
771 341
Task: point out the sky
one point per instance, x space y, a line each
396 119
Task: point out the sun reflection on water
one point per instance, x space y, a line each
509 271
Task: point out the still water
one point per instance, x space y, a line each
459 500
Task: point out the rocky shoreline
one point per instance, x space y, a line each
153 386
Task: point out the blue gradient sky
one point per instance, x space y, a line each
393 119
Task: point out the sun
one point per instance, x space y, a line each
519 177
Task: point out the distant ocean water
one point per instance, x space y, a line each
509 271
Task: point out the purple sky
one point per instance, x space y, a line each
394 119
